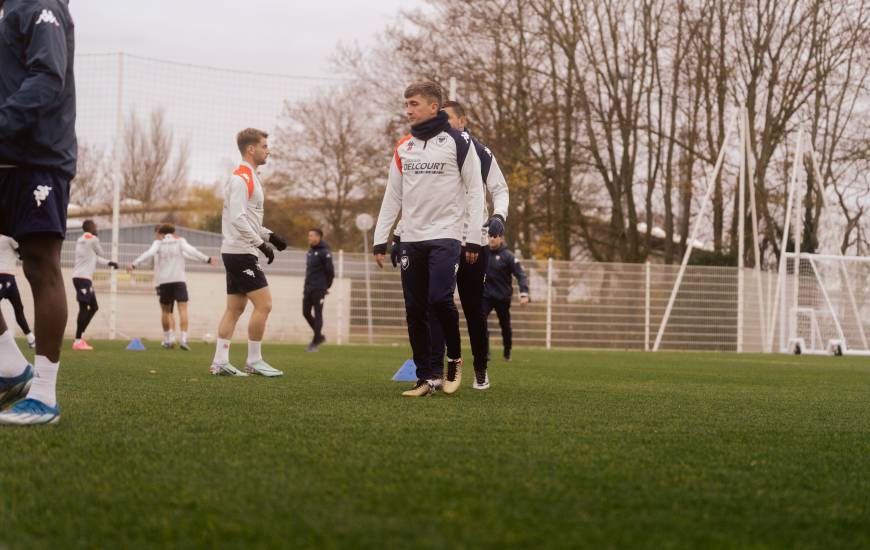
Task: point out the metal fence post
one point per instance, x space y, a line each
647 300
341 291
549 303
116 204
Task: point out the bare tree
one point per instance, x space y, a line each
326 150
153 169
92 186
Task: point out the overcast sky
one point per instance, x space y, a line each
206 108
291 37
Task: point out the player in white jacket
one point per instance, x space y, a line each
436 186
89 253
9 287
243 236
168 252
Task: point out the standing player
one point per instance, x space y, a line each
89 253
471 277
435 185
37 161
499 290
243 236
169 252
319 274
9 288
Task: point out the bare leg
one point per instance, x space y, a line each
183 319
235 307
262 300
41 256
166 317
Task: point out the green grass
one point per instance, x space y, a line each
568 449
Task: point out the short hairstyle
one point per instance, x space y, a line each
457 108
166 229
428 89
318 231
89 226
249 136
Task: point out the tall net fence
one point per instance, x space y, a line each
204 107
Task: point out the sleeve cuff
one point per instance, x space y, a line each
471 247
380 249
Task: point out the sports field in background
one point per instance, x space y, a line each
567 450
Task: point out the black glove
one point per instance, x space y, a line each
113 265
473 248
268 252
495 224
277 242
394 251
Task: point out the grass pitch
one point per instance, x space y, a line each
567 450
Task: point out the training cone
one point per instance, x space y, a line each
408 372
136 345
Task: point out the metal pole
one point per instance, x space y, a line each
760 296
341 291
647 302
741 232
116 202
798 237
452 93
549 303
368 288
692 237
780 278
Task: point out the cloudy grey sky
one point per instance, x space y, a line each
204 107
281 36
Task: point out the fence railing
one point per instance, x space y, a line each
573 304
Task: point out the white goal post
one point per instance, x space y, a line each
824 304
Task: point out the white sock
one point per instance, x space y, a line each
30 338
254 353
184 336
77 340
12 361
167 334
45 381
171 335
222 352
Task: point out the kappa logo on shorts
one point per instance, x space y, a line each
41 193
406 261
249 272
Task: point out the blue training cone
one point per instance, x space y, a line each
407 373
136 345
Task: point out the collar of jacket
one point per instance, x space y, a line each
430 128
318 246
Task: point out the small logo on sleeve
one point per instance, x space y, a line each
47 16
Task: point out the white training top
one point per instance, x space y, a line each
242 221
437 188
169 254
89 253
8 255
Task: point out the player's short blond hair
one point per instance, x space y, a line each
249 136
428 89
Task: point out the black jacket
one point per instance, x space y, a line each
37 86
319 272
502 265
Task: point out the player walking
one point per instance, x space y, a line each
243 236
168 252
319 273
9 287
435 184
89 253
499 290
37 161
471 276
